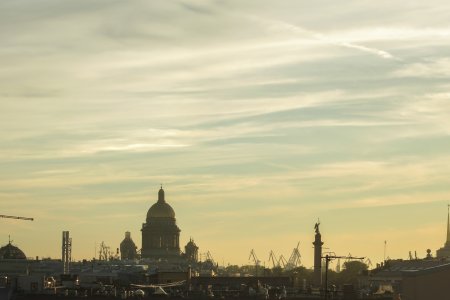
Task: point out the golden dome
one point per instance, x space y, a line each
160 209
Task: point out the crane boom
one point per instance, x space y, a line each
15 217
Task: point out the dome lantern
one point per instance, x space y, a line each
161 195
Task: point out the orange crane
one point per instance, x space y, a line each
18 218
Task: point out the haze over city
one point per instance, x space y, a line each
257 117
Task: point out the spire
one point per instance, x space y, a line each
448 225
161 195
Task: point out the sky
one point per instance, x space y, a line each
257 117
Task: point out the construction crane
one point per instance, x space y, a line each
17 218
294 259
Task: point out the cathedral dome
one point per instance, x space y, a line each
160 234
11 252
160 209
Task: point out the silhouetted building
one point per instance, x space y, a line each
191 251
11 252
127 247
160 234
445 251
417 279
317 256
425 284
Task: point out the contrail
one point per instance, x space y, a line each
323 38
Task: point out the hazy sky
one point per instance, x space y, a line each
258 117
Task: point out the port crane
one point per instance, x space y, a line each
17 218
272 258
255 259
294 259
209 257
282 261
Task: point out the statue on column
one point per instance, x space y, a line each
316 227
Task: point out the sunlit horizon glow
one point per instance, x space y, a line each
258 118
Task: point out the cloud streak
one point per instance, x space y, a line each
297 30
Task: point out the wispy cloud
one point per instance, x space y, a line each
433 68
400 200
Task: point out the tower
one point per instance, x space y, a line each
447 242
191 251
66 251
160 233
317 277
445 251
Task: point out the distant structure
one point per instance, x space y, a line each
9 251
127 248
104 253
317 277
160 233
66 251
445 251
191 251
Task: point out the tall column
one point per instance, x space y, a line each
317 257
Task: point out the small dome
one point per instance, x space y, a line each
11 252
161 209
191 243
127 247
